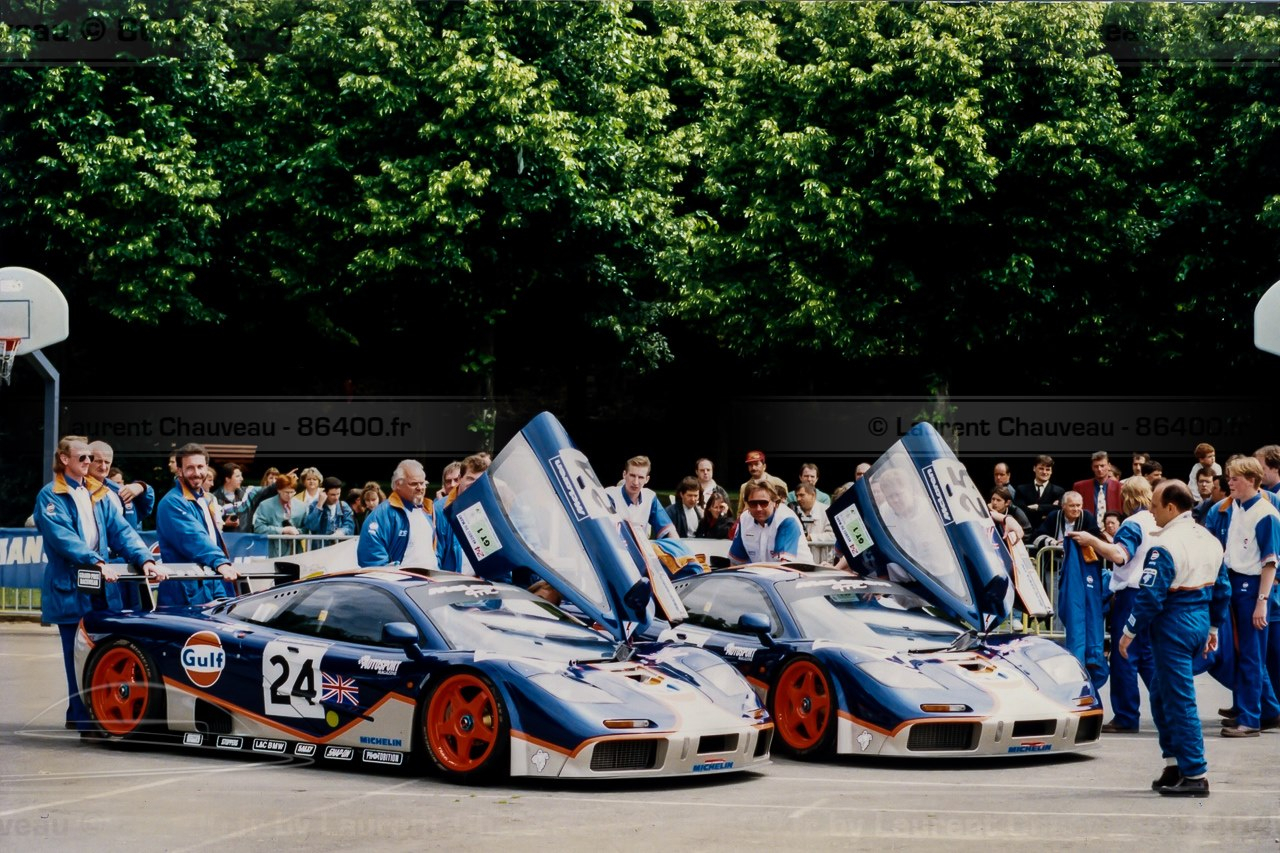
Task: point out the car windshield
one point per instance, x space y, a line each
540 519
509 621
893 620
911 515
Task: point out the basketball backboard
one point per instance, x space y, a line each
32 309
1266 321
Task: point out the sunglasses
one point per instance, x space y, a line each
758 504
85 457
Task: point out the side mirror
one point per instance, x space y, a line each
402 635
758 624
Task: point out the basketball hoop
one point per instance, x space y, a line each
8 351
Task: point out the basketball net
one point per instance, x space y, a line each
8 351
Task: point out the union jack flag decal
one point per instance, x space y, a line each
338 689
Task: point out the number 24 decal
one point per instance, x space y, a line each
290 671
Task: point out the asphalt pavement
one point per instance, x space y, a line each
59 794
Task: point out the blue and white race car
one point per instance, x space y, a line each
476 677
864 663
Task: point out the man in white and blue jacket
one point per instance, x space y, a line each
82 525
1181 602
401 530
137 500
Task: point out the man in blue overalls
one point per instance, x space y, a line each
1176 593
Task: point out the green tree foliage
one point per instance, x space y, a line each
898 189
103 185
902 182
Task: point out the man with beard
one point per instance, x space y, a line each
187 532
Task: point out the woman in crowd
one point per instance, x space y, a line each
716 522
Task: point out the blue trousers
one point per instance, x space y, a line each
1271 700
1125 699
1178 635
77 713
1255 697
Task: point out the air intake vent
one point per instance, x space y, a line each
628 754
942 737
1090 729
211 719
1035 728
717 743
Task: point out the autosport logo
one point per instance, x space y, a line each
203 658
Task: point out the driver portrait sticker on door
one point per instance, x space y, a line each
481 538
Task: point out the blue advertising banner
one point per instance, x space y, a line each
22 557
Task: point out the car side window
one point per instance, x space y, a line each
718 602
345 612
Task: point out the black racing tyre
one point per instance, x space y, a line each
803 706
123 690
465 729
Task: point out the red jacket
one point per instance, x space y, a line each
1088 489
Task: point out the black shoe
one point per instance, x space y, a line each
1228 712
1112 728
1273 723
1169 776
1228 721
1238 731
1185 787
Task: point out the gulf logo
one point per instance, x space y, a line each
203 658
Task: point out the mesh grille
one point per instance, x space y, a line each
939 737
629 754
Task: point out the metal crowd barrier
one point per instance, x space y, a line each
301 543
24 601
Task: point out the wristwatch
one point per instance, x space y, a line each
1263 597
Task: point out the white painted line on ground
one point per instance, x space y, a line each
115 792
916 811
257 828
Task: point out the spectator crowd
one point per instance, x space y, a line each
1110 524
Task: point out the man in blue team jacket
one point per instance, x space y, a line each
187 533
81 524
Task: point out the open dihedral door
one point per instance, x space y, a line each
540 509
917 518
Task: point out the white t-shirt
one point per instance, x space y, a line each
421 551
88 524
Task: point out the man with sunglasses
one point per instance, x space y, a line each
768 532
82 524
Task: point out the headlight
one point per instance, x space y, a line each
571 690
1064 669
897 675
726 679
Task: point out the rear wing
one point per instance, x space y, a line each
90 580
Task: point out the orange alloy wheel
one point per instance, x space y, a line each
120 693
802 705
463 723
